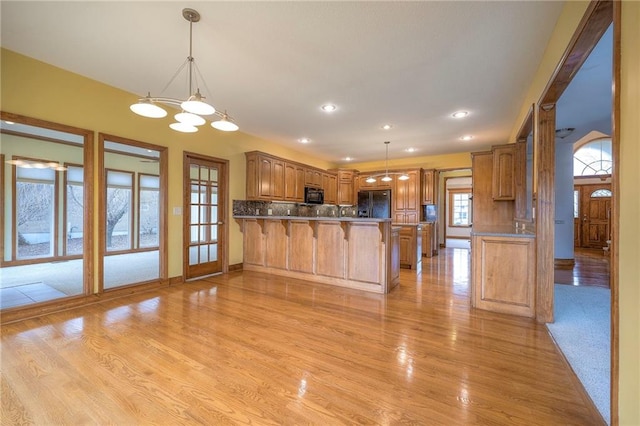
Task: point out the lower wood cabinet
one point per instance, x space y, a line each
503 274
411 246
427 239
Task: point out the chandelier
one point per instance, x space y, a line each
194 107
386 175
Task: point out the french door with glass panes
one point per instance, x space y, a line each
204 215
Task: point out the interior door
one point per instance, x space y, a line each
204 216
596 214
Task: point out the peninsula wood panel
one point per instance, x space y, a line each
253 241
276 243
320 250
503 272
331 249
301 246
366 264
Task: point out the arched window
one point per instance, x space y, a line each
601 193
593 158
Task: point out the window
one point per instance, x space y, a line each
148 198
119 202
74 210
593 158
601 193
576 204
459 207
35 211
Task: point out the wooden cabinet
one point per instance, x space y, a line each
345 188
504 184
503 274
486 210
330 186
313 178
429 193
362 184
406 198
411 247
294 182
265 177
428 237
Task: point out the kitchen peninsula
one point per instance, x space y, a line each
343 251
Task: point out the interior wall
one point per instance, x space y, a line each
442 193
36 89
563 239
629 237
628 262
455 183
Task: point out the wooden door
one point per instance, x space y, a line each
595 207
204 215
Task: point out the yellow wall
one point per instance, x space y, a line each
447 161
629 241
35 89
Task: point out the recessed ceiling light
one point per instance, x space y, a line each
328 107
387 127
9 122
304 140
410 150
348 159
460 114
466 137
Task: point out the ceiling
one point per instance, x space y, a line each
273 64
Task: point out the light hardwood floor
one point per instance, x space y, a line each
246 348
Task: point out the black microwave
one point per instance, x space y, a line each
313 195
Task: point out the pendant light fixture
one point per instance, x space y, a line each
386 177
194 107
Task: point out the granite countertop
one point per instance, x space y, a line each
316 218
501 231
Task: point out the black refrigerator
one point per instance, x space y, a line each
374 204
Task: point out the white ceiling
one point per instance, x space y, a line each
273 64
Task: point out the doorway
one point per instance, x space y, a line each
593 224
205 227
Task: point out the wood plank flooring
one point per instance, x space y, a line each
591 269
245 348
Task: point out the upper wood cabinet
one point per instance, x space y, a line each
429 192
313 177
346 186
406 199
504 160
330 186
265 177
362 184
294 182
486 210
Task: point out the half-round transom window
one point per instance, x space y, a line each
600 193
593 158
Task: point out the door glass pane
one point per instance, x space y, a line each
194 218
213 252
193 255
214 232
193 234
204 253
194 171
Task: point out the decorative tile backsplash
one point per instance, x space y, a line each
261 208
